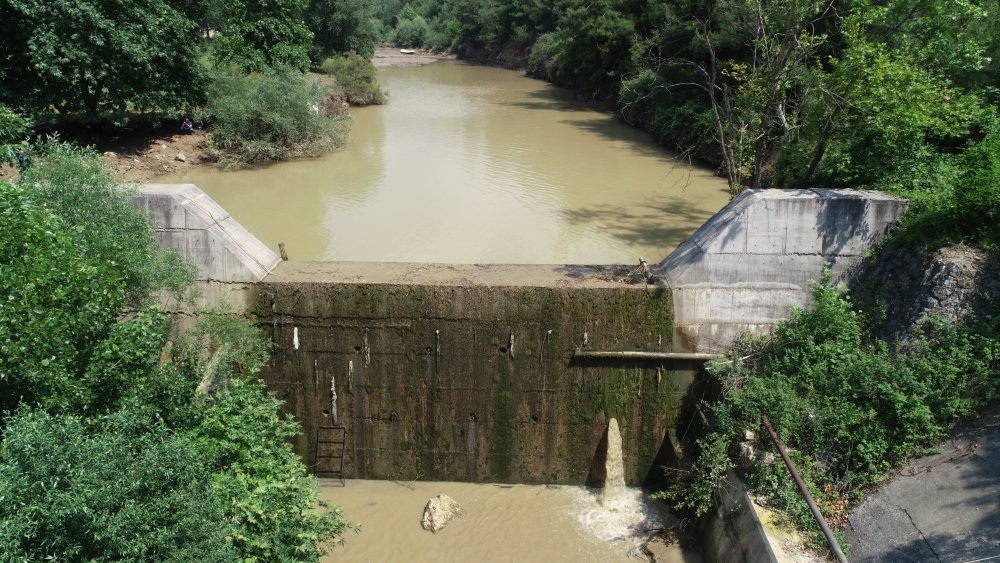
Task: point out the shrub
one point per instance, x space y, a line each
109 490
543 60
412 32
357 76
58 304
97 209
847 406
269 116
267 494
13 127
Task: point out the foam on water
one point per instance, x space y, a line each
627 518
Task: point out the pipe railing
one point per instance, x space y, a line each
805 492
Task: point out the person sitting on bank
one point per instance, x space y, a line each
187 126
23 160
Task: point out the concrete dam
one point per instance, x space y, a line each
490 373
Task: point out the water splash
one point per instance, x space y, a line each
615 512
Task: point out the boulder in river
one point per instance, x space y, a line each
439 511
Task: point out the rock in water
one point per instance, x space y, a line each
439 511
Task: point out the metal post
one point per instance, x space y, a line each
805 492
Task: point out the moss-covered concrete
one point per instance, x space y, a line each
466 373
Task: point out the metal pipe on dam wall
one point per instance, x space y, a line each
466 373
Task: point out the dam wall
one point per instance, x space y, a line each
482 372
467 372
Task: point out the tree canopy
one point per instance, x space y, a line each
98 56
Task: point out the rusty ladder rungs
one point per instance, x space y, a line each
337 438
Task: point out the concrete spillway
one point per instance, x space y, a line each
467 372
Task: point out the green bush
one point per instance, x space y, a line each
543 59
13 127
272 502
58 304
848 406
269 116
97 209
106 490
412 32
357 76
978 192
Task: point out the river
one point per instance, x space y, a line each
470 164
522 523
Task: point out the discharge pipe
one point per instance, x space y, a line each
630 355
805 492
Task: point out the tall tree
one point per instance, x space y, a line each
339 26
97 56
264 33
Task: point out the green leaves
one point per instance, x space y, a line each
105 490
849 407
259 34
98 56
272 115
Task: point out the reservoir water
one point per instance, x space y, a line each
470 164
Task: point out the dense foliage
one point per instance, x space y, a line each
341 26
846 405
118 445
259 34
271 115
96 56
106 490
97 209
66 64
356 79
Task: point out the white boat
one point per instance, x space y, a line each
407 51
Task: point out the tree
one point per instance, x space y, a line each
340 26
98 56
259 34
77 186
58 305
113 489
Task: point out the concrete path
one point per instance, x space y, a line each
944 507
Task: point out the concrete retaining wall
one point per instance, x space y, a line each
731 532
750 263
229 259
466 373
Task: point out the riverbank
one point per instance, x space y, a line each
141 154
393 56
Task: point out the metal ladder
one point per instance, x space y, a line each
330 445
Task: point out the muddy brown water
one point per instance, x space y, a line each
522 523
470 164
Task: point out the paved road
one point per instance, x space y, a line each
944 507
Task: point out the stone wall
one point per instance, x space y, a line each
909 283
467 373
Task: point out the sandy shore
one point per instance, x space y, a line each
391 56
